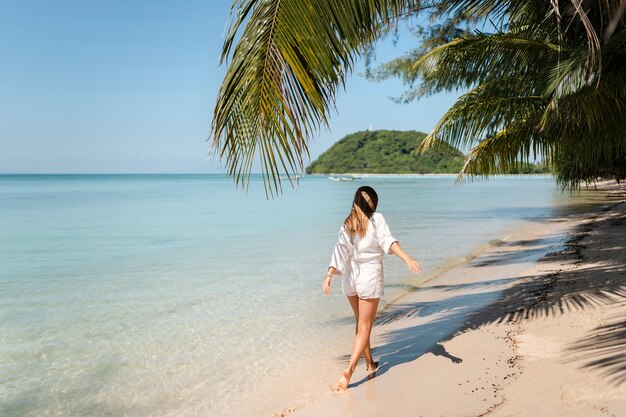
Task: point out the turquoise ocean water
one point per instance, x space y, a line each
179 295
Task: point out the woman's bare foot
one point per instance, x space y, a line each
344 381
372 367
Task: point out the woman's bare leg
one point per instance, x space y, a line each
367 353
367 314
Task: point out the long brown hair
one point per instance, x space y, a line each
363 206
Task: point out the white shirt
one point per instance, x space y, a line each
367 249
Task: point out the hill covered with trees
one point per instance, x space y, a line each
385 152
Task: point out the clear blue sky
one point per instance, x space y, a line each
129 86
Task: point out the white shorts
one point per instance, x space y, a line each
364 280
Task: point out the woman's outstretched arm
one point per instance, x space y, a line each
413 265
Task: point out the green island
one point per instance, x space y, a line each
394 152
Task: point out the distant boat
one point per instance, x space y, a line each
342 178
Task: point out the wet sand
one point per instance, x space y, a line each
532 327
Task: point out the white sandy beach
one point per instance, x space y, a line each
532 327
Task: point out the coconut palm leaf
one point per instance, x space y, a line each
482 112
469 60
288 60
505 150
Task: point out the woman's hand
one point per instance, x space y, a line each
413 265
327 279
326 284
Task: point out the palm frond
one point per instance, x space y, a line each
290 59
482 112
505 150
479 58
589 112
469 60
569 76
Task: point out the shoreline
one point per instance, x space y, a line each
459 344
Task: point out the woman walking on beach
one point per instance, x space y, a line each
358 257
